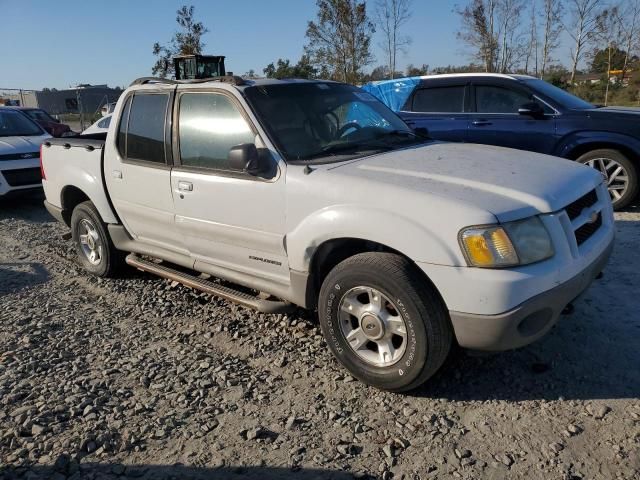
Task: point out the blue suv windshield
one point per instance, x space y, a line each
561 97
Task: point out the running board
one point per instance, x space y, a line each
251 301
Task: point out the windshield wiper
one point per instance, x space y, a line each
349 147
400 133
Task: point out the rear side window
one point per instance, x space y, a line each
209 125
439 100
145 132
122 129
490 99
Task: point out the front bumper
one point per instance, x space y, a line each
17 175
528 321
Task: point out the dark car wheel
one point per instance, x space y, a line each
92 242
621 175
383 321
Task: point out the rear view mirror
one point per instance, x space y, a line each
532 109
245 158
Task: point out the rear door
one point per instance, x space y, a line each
496 120
138 173
228 219
440 108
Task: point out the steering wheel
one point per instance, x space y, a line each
346 127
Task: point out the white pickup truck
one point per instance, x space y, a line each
277 193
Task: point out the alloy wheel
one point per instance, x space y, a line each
616 177
373 326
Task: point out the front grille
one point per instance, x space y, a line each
584 232
22 176
19 156
575 209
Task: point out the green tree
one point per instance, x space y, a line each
186 41
413 71
283 69
339 41
600 62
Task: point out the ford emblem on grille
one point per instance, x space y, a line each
593 218
27 155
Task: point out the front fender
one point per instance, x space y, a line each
579 139
416 241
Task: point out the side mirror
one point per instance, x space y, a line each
422 132
532 109
245 158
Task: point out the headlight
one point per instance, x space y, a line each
515 243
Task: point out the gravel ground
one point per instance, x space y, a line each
142 378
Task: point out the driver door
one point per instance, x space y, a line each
496 120
229 219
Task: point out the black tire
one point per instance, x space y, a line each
627 165
429 332
110 260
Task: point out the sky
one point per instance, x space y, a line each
63 43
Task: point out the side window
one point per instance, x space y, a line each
122 129
145 133
439 100
209 125
490 99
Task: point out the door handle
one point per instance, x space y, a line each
481 123
116 174
185 186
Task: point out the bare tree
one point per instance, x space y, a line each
532 42
478 31
391 16
493 29
607 32
629 24
511 46
552 21
583 26
339 40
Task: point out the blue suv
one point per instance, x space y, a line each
523 112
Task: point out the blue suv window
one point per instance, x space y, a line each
491 99
439 100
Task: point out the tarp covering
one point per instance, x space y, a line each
393 93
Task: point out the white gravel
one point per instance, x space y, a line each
141 378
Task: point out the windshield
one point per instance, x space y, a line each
323 122
561 97
40 115
15 124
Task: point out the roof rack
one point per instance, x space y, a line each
145 80
232 79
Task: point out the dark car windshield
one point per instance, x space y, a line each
323 122
40 115
561 97
15 124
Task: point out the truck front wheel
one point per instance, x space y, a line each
92 242
383 321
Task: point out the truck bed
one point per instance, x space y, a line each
74 166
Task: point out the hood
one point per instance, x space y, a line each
510 184
9 145
608 111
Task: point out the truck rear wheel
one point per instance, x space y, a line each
621 175
383 321
92 242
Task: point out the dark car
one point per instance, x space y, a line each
46 121
523 112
